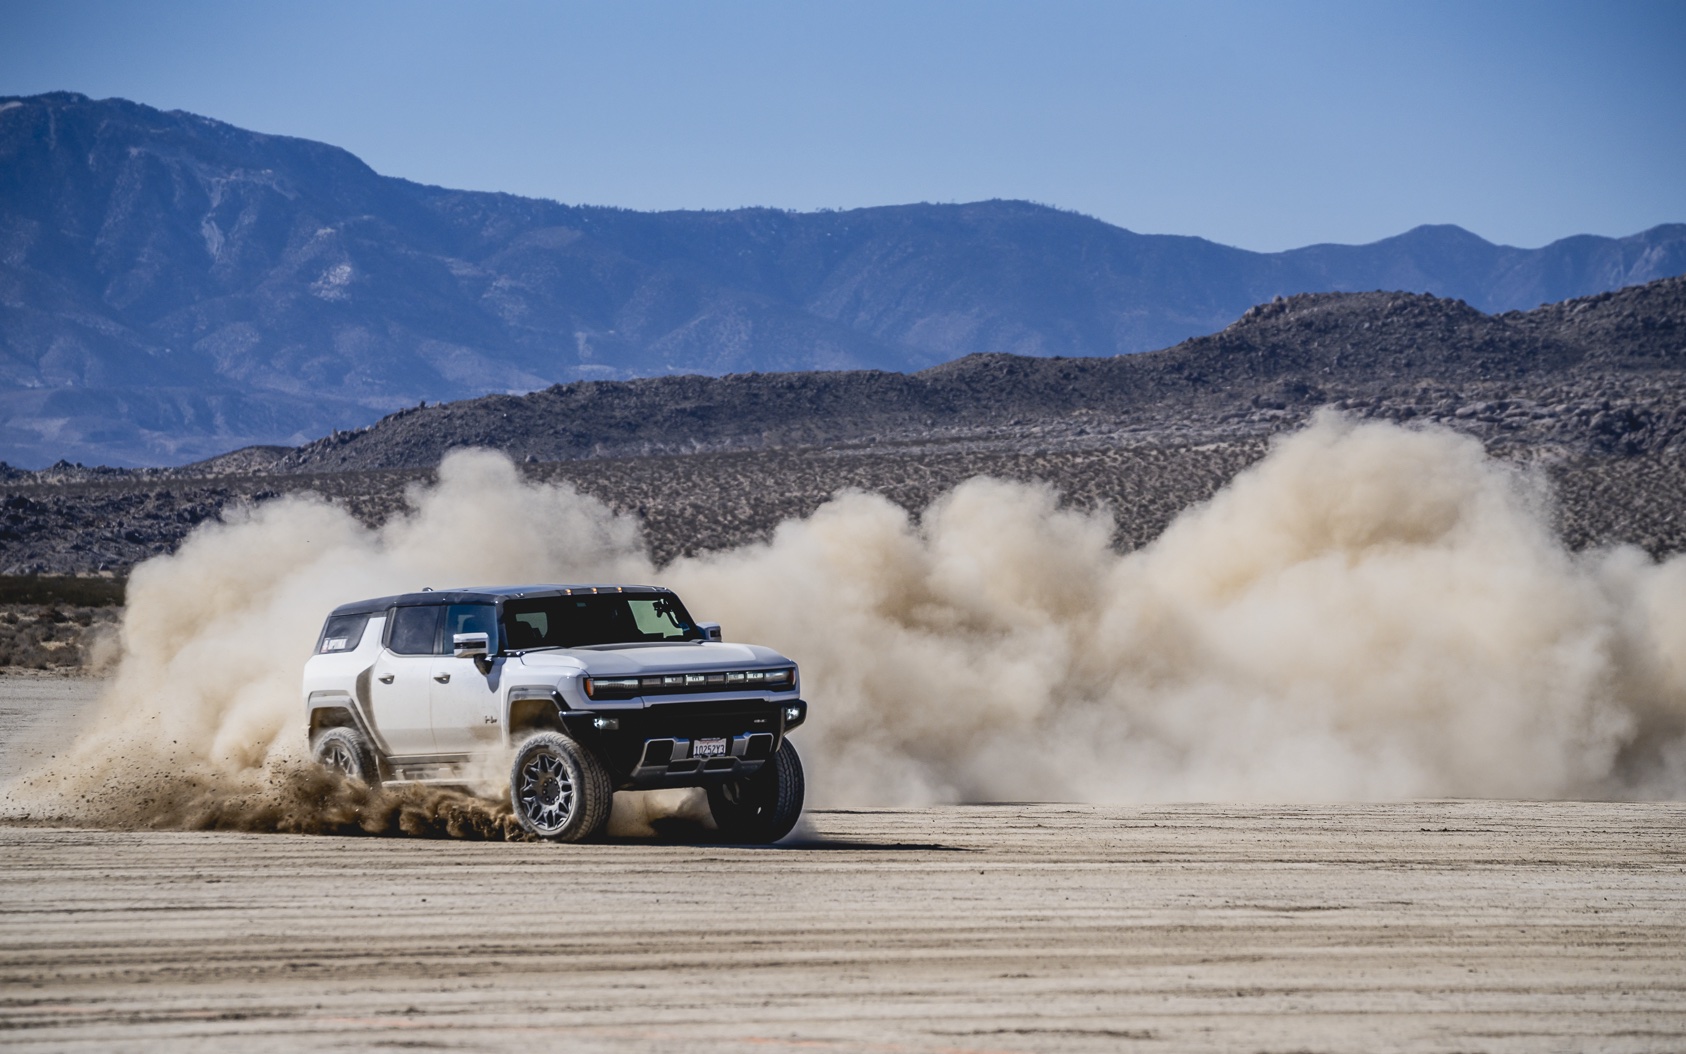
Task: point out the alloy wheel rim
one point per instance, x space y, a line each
546 792
339 758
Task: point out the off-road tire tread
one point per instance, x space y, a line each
785 767
366 760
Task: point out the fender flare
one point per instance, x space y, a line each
339 700
575 722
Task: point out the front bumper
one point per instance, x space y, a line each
670 762
654 746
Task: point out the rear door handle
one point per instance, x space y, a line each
385 678
442 678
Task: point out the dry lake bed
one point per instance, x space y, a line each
1417 926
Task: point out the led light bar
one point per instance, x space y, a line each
670 683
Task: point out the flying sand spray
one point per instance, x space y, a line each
1371 612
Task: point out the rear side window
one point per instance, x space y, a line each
341 633
415 631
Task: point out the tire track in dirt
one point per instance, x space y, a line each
1433 925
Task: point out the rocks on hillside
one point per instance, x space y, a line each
1602 375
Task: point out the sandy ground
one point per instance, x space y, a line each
1432 926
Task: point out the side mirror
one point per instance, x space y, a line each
470 645
710 630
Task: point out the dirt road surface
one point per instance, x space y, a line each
1423 926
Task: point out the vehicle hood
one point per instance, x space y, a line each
611 660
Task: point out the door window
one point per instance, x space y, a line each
415 630
470 618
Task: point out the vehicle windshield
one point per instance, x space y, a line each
596 618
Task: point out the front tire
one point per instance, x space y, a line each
762 808
346 751
558 789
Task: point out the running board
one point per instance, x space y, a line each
430 768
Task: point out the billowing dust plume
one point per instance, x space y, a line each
202 724
1370 612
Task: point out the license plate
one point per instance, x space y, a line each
708 748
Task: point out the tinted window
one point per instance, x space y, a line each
596 618
415 631
341 633
528 629
471 618
660 618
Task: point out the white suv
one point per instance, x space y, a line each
597 688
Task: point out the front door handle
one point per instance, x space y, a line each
385 678
442 678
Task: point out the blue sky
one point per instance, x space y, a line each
1264 125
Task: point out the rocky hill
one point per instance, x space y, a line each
1603 373
172 287
1592 391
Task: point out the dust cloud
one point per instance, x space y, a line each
1371 612
202 724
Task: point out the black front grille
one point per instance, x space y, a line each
716 718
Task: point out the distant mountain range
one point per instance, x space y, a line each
172 287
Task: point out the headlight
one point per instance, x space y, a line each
610 687
668 683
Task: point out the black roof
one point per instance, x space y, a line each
484 595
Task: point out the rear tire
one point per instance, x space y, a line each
762 808
558 789
346 751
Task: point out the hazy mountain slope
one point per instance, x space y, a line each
171 286
1449 261
1424 356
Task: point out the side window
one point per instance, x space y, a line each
341 633
415 630
470 618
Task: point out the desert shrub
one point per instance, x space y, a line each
34 637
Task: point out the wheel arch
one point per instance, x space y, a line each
532 708
336 709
